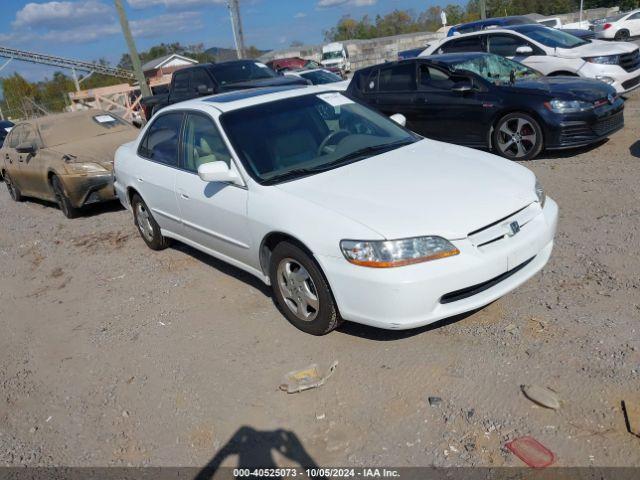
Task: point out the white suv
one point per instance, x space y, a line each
553 52
619 27
344 212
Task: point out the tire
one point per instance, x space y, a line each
622 36
517 136
68 210
301 291
147 226
13 189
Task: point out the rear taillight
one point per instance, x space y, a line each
607 25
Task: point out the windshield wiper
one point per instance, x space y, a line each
362 152
350 157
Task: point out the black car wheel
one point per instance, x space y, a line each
13 189
64 203
622 35
518 136
301 291
147 226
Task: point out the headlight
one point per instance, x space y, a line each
85 167
605 79
396 253
604 59
568 106
542 197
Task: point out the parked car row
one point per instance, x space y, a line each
352 201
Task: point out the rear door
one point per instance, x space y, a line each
447 115
156 167
214 214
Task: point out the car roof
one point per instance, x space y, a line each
226 102
496 21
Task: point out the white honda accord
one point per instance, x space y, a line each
345 213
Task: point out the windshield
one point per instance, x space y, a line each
331 55
241 72
300 136
552 37
320 77
497 70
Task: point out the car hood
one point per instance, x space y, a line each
596 48
427 188
264 82
100 149
575 88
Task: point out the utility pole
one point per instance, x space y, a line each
483 9
236 26
133 53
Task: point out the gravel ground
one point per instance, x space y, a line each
116 355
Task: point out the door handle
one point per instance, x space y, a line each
184 195
420 100
140 180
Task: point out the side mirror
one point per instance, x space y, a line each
26 147
524 50
204 90
462 87
399 119
217 172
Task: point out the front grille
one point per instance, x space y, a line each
631 83
630 61
481 287
609 124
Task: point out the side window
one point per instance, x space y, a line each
433 78
28 134
200 77
160 142
202 143
400 78
467 44
635 16
14 139
506 45
181 83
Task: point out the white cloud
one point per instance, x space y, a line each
169 22
300 15
59 15
173 4
339 3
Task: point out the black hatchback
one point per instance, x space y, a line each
487 101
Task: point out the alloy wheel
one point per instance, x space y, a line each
516 137
144 221
298 290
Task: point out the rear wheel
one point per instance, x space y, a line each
622 35
13 189
64 203
518 136
147 226
301 291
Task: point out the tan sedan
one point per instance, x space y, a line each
65 158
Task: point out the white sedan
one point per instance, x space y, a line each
348 215
619 27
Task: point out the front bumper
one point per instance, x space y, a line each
416 295
583 128
87 189
623 81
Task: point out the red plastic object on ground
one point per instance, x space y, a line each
531 452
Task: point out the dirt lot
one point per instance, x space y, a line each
112 354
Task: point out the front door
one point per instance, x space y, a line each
10 155
156 168
33 166
214 214
457 117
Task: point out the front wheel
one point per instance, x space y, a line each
301 291
147 226
13 189
68 210
518 136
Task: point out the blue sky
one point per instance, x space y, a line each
89 30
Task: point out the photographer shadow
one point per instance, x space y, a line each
255 448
